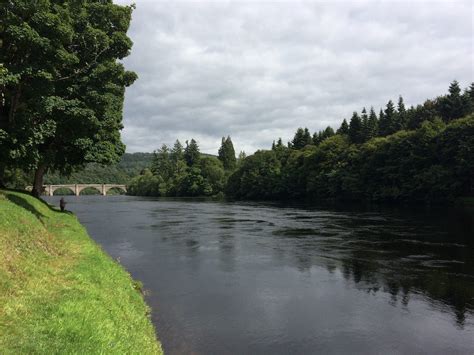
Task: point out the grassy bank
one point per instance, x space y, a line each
59 292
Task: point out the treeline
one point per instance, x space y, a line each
420 153
185 171
423 153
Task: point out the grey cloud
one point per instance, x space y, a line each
257 71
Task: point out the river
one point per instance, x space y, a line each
261 278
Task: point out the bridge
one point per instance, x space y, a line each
77 188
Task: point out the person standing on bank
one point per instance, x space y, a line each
62 204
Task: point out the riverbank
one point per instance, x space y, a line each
59 292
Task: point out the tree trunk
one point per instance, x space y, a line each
38 181
2 176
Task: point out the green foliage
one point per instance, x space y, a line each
226 154
62 84
322 135
59 292
435 162
180 173
191 153
146 184
257 178
356 129
344 129
301 139
387 123
130 165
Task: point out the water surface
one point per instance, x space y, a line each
250 278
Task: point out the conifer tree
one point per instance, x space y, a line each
301 139
386 122
161 164
307 137
177 153
372 124
226 154
344 129
470 96
327 133
355 129
454 105
192 155
401 116
316 138
241 158
365 124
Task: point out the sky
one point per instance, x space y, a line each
259 70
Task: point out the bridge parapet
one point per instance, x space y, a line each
77 188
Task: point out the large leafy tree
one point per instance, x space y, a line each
62 86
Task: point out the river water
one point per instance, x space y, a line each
256 278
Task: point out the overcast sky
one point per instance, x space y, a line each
259 70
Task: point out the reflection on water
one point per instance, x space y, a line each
259 278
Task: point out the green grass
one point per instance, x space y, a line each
59 292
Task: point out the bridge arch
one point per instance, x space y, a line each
66 187
122 188
81 188
77 188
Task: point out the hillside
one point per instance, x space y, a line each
129 166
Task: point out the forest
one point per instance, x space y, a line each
185 171
420 153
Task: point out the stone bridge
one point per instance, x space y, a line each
77 188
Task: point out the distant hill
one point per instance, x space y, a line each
129 166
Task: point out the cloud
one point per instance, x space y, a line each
257 71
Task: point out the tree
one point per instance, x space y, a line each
344 129
356 132
191 153
387 120
401 116
454 105
320 136
226 154
365 125
316 138
470 95
177 152
301 139
371 129
257 178
212 170
162 164
62 84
